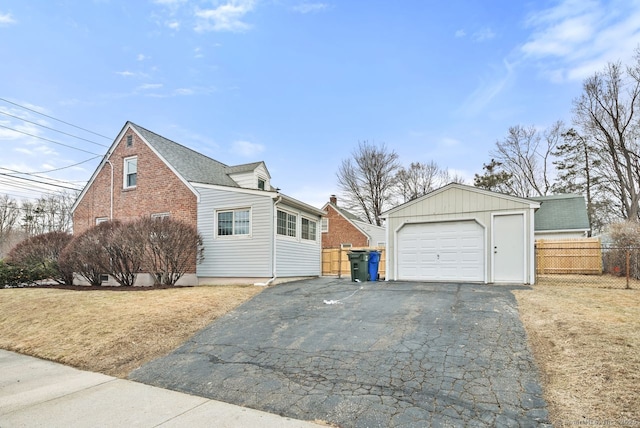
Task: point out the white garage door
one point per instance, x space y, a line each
447 251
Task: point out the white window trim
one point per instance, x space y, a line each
160 215
101 220
296 237
232 236
125 174
258 183
315 239
324 225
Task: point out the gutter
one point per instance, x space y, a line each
274 248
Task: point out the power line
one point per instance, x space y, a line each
52 129
33 174
51 117
58 169
46 139
39 182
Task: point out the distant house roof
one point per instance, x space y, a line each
561 212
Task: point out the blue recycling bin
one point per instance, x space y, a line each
374 261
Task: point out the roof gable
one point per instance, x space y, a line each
464 188
191 165
561 212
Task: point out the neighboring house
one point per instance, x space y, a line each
460 233
250 231
340 228
561 217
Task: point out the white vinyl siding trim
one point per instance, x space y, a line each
325 225
229 256
298 257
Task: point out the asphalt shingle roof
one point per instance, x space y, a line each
193 166
561 212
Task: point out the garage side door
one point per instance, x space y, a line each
447 251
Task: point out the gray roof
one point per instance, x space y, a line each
346 213
193 166
561 212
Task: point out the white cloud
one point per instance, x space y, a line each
173 25
483 35
149 86
488 90
6 19
576 38
310 7
460 33
246 148
125 73
142 57
226 17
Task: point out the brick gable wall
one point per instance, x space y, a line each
158 190
341 231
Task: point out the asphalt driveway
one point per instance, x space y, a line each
372 354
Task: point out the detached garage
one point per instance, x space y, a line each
460 233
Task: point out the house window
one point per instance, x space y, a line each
308 229
101 220
159 216
324 225
130 172
234 222
345 245
129 140
104 277
261 184
287 223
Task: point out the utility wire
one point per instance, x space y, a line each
39 182
46 139
33 174
51 117
52 129
57 169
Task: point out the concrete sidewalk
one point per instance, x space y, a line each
37 393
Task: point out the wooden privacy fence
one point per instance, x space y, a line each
569 256
335 261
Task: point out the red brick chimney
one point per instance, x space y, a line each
333 200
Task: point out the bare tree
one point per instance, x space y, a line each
9 214
172 247
86 256
526 155
607 114
421 178
41 253
367 180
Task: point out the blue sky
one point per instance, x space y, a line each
294 83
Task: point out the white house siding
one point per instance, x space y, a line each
455 203
235 256
297 256
249 180
561 235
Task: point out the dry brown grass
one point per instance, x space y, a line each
586 342
108 331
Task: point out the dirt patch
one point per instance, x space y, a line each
586 342
111 330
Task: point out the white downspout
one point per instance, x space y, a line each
275 245
111 195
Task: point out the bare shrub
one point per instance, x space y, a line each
625 239
125 246
86 256
172 248
41 254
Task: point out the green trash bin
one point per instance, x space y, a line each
359 261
